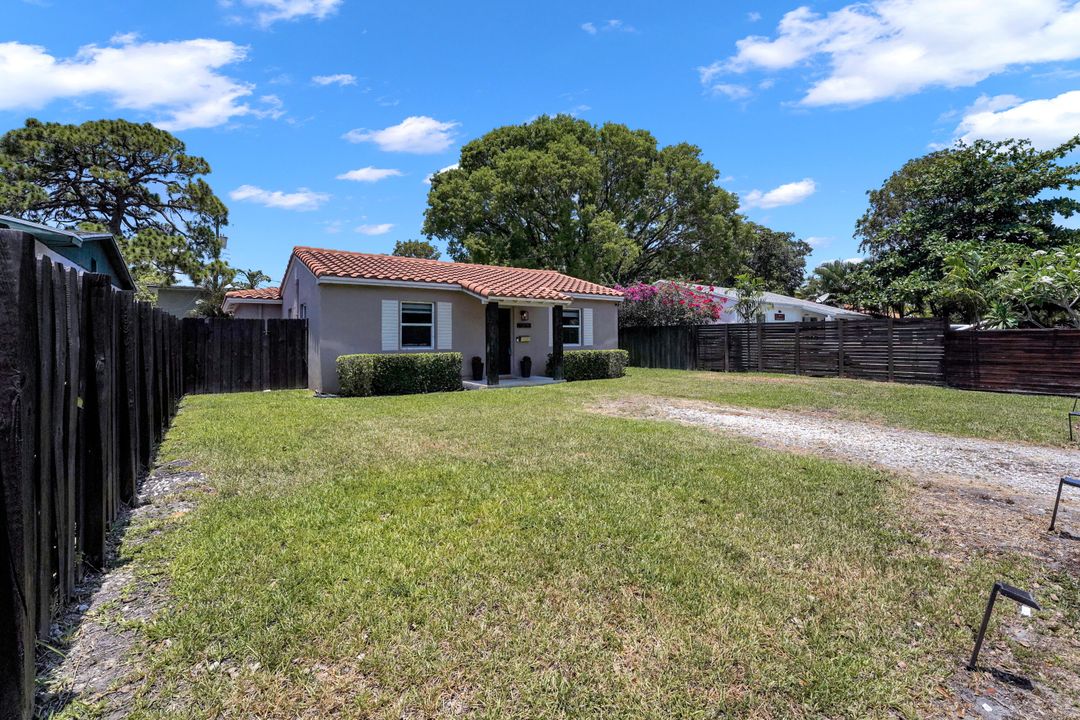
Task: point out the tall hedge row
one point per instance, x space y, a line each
404 374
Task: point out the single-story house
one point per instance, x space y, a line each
94 252
363 303
776 307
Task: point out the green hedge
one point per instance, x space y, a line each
593 364
404 374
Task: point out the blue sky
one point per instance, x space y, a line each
801 108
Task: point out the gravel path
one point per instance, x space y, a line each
1029 469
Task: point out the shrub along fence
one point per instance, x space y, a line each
89 380
909 351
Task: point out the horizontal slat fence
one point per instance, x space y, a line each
910 351
228 355
90 379
88 383
1029 361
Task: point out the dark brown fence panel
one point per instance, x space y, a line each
910 351
1028 361
229 355
660 347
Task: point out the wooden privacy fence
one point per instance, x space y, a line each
226 355
89 380
1031 361
910 351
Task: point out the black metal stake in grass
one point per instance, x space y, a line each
1021 596
1071 482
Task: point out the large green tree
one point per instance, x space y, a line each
606 203
134 180
416 249
778 258
995 197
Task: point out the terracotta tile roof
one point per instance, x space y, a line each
266 293
484 280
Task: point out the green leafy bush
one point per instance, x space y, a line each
362 375
593 364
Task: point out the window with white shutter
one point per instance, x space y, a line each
389 325
444 325
586 327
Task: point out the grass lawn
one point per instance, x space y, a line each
512 554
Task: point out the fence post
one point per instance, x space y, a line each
839 348
798 348
95 427
892 358
727 348
761 344
18 398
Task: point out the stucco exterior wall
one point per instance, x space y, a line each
257 311
347 319
300 297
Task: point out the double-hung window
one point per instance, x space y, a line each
571 327
417 324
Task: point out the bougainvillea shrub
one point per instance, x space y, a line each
666 304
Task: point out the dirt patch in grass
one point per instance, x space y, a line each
971 498
90 666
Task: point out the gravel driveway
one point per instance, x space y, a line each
1029 469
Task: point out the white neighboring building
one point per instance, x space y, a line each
777 307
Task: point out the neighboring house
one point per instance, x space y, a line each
177 300
362 303
261 303
85 251
776 307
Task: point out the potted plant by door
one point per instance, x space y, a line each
477 369
526 366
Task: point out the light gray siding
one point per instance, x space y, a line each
256 311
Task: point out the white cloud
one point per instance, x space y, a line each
416 134
427 180
818 242
613 25
268 12
369 174
1046 122
786 194
753 16
303 199
341 79
179 83
732 91
380 229
891 48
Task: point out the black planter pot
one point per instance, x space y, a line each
477 369
526 366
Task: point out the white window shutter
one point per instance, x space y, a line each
586 327
444 324
551 328
390 325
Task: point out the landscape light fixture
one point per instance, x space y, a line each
1021 596
1071 482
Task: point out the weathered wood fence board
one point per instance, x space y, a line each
227 355
90 379
910 351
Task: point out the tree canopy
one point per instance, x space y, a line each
416 249
605 203
1001 199
133 180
